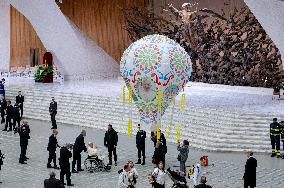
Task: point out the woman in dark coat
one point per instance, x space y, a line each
159 154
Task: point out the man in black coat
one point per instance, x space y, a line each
3 105
65 155
110 141
250 172
24 132
79 146
52 182
53 112
51 148
16 117
275 132
20 99
9 115
140 144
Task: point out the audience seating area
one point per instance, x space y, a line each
205 128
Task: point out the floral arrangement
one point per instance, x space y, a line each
42 72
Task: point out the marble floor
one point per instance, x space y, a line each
227 171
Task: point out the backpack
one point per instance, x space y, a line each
191 171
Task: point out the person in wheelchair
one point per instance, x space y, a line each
93 152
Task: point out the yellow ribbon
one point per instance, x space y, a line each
160 99
169 130
183 101
129 131
158 131
123 95
130 95
178 134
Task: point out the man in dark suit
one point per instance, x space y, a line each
24 132
140 144
79 146
9 115
52 182
110 141
65 155
53 112
20 99
51 148
250 171
3 105
16 117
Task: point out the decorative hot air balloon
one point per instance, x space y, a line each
155 63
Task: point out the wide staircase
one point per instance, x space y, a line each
209 129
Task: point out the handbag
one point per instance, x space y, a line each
179 157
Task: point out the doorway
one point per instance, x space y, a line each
34 57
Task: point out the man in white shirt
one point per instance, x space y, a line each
123 180
199 171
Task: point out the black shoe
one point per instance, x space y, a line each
49 166
143 163
278 156
74 171
27 158
9 130
115 163
4 130
273 155
70 184
22 162
80 170
138 162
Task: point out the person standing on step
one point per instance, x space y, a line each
9 115
282 136
275 130
51 148
20 99
16 118
24 132
110 141
65 155
140 144
3 105
250 171
53 112
79 146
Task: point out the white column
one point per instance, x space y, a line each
4 34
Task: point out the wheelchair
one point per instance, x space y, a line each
94 164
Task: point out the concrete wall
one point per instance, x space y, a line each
4 34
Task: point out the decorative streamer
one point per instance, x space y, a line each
123 95
130 123
178 134
160 101
183 101
129 131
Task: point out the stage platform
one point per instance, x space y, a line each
217 117
247 100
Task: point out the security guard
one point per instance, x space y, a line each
275 130
282 136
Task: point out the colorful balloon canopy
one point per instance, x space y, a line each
154 63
